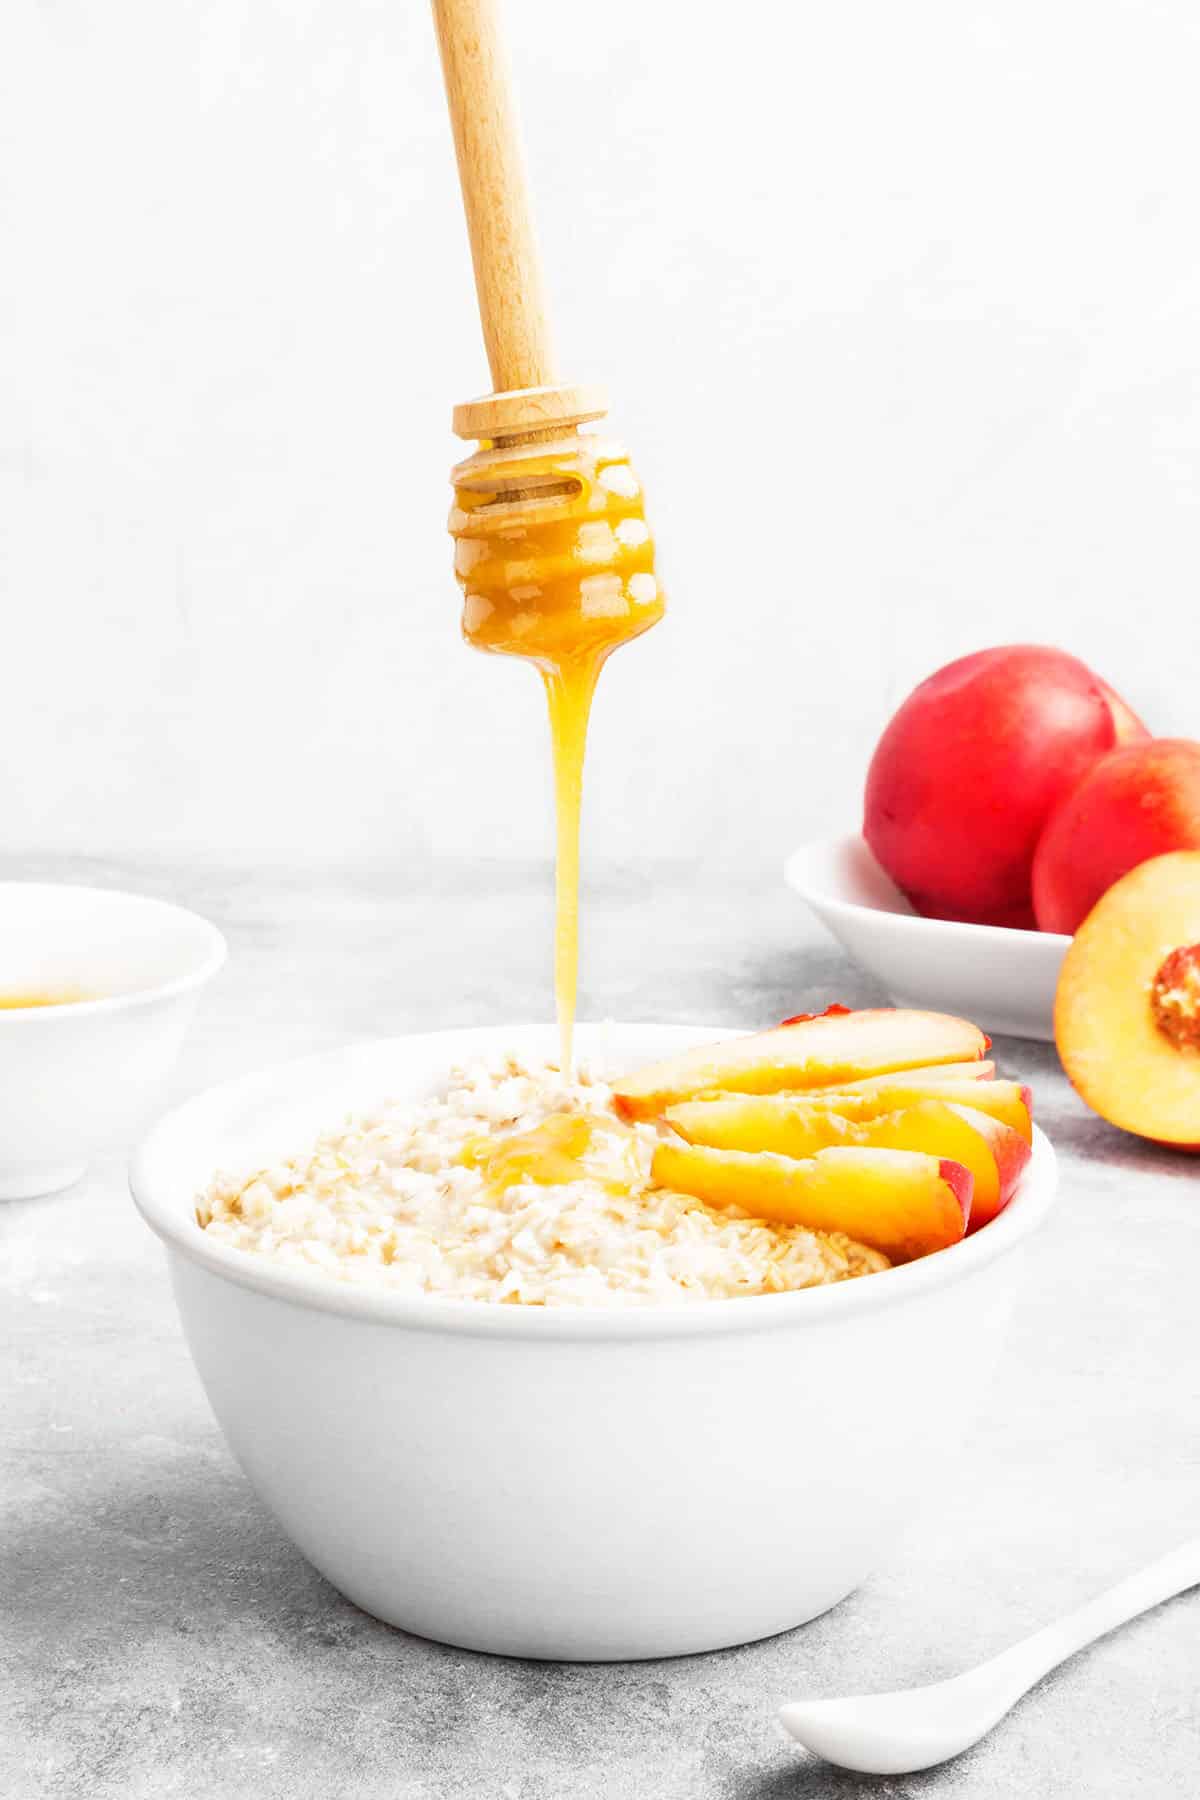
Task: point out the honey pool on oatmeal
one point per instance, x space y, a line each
514 1186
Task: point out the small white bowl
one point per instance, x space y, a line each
579 1483
1004 980
84 1075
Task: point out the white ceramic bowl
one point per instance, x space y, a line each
85 1076
1004 980
586 1484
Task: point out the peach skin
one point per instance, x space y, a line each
1137 802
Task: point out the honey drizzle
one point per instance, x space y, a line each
556 564
565 1147
569 686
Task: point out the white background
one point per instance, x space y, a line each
898 306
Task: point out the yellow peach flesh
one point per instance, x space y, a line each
790 1127
814 1052
1113 998
897 1201
1007 1101
983 1070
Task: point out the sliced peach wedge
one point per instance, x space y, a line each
983 1070
897 1201
835 1047
1009 1101
794 1126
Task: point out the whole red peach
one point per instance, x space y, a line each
969 770
1139 801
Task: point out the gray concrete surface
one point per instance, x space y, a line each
159 1637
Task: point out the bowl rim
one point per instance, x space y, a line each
214 956
1052 944
170 1215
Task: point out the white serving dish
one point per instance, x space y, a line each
85 1076
581 1484
1003 980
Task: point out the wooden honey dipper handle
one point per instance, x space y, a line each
508 272
491 171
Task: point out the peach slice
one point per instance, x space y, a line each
1127 1011
1010 1151
983 1070
1009 1101
809 1053
994 1154
897 1201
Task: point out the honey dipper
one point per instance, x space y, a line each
552 549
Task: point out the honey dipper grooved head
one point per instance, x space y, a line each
552 549
521 411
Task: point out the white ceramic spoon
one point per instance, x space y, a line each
896 1734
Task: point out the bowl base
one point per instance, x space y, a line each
33 1184
576 1644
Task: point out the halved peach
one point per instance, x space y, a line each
809 1053
983 1070
794 1126
1009 1101
1127 1011
896 1201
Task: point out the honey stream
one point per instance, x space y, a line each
569 690
556 563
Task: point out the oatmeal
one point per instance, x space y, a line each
514 1186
